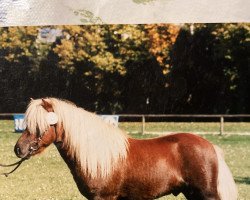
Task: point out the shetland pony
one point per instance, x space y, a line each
108 164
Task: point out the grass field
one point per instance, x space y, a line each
241 128
47 177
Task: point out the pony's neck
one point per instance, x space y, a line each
97 146
75 169
68 159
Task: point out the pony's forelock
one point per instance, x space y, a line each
97 146
35 118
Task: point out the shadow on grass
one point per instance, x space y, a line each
242 180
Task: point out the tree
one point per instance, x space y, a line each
163 68
143 85
17 52
205 68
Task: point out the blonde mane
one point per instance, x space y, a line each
97 145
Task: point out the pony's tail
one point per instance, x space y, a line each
226 186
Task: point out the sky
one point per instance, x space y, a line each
58 12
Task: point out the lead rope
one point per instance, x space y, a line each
17 164
6 174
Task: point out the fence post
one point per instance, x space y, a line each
143 124
221 125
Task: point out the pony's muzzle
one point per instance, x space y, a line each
21 152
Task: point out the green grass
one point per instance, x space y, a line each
200 127
47 177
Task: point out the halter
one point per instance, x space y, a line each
34 146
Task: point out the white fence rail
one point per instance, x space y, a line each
221 118
144 117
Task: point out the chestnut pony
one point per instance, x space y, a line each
108 164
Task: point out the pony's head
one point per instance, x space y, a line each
41 129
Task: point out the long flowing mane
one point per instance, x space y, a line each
97 145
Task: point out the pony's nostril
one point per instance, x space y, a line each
17 151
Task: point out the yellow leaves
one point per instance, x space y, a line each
10 57
162 37
73 30
166 71
68 52
65 49
17 42
86 44
81 54
107 47
128 34
31 31
107 62
4 36
88 73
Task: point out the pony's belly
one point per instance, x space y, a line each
151 181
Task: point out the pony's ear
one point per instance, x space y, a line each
47 105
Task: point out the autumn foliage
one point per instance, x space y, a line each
154 68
